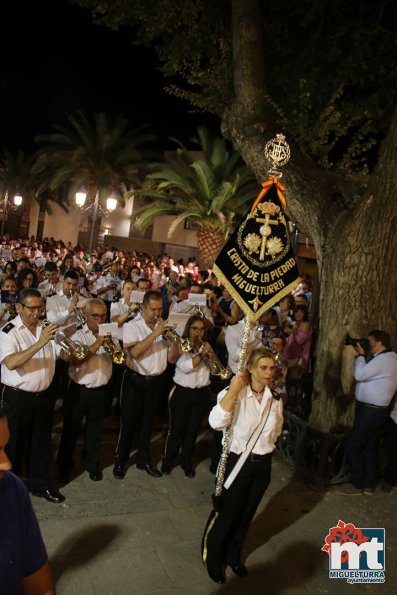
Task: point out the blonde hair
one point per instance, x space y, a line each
257 354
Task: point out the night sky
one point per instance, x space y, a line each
54 60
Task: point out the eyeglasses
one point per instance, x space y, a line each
197 328
98 316
32 308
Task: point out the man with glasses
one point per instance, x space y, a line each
86 395
27 357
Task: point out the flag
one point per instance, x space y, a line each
257 265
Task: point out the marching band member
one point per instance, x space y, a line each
122 310
52 283
27 357
108 285
86 394
143 383
61 305
189 400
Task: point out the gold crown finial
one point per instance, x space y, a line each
278 153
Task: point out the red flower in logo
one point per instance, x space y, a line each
342 533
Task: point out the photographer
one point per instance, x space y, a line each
376 385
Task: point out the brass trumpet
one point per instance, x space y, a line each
106 267
173 338
114 350
212 361
70 347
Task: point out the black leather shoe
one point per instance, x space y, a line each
239 570
49 495
96 475
165 468
118 471
217 577
152 471
189 472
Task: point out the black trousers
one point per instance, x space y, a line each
82 402
139 400
30 423
361 444
225 532
187 408
390 470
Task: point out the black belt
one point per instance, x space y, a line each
141 376
26 392
373 406
254 457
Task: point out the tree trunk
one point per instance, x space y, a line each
358 287
209 244
356 245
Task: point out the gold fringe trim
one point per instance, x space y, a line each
243 305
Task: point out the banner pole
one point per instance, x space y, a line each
220 478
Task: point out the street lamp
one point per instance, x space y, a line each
97 210
5 204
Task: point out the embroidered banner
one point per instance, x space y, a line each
257 265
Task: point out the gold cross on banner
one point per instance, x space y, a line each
265 231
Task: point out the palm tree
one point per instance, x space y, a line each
98 155
17 177
210 191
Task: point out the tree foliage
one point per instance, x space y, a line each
330 65
210 190
95 154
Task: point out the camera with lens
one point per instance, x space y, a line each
362 341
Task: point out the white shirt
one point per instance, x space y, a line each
37 374
154 361
187 376
97 370
233 341
377 379
57 308
103 282
248 416
44 286
184 305
117 309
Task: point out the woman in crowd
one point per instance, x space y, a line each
67 264
298 346
27 278
258 422
271 328
189 400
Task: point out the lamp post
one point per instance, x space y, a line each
97 210
5 203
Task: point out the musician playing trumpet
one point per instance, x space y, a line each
124 309
61 305
190 398
27 356
86 394
143 383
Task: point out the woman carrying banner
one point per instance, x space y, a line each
257 423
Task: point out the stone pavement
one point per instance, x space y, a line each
142 535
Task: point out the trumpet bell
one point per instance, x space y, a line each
114 350
173 338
